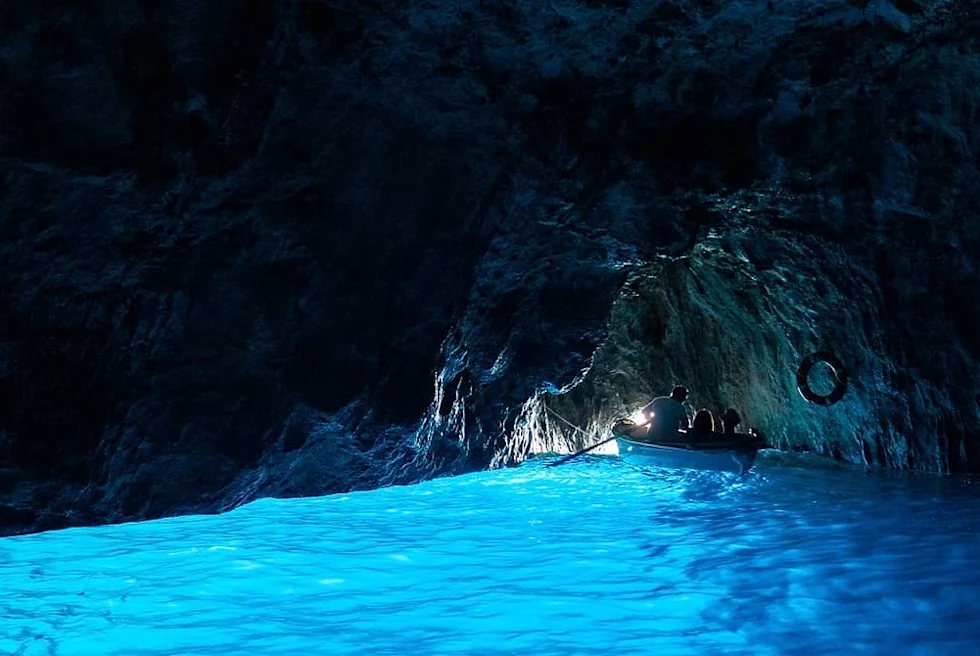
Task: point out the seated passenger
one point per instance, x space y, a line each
667 415
730 419
703 426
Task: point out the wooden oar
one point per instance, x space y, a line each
576 455
594 446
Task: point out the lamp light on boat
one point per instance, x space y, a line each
640 417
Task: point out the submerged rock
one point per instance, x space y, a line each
296 248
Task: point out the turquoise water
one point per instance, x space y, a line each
587 558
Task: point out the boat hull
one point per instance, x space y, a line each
685 456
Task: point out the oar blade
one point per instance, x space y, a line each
579 453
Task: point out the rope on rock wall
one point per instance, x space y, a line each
566 421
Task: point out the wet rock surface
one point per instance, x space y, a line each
254 248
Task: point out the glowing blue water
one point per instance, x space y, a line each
590 557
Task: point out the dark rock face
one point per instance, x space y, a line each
265 247
858 234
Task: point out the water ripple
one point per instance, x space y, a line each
580 559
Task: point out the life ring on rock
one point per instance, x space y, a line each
840 379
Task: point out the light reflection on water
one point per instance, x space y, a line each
589 557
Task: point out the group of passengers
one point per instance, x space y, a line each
667 415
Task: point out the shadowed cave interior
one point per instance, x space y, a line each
258 247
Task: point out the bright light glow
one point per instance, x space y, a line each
639 417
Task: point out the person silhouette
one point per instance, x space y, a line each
667 414
703 425
730 419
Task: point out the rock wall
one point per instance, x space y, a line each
267 247
858 235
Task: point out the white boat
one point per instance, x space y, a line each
734 452
686 456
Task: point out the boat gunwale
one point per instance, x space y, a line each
691 448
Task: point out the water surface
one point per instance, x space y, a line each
590 557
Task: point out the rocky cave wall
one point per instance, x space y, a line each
260 247
862 241
735 334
